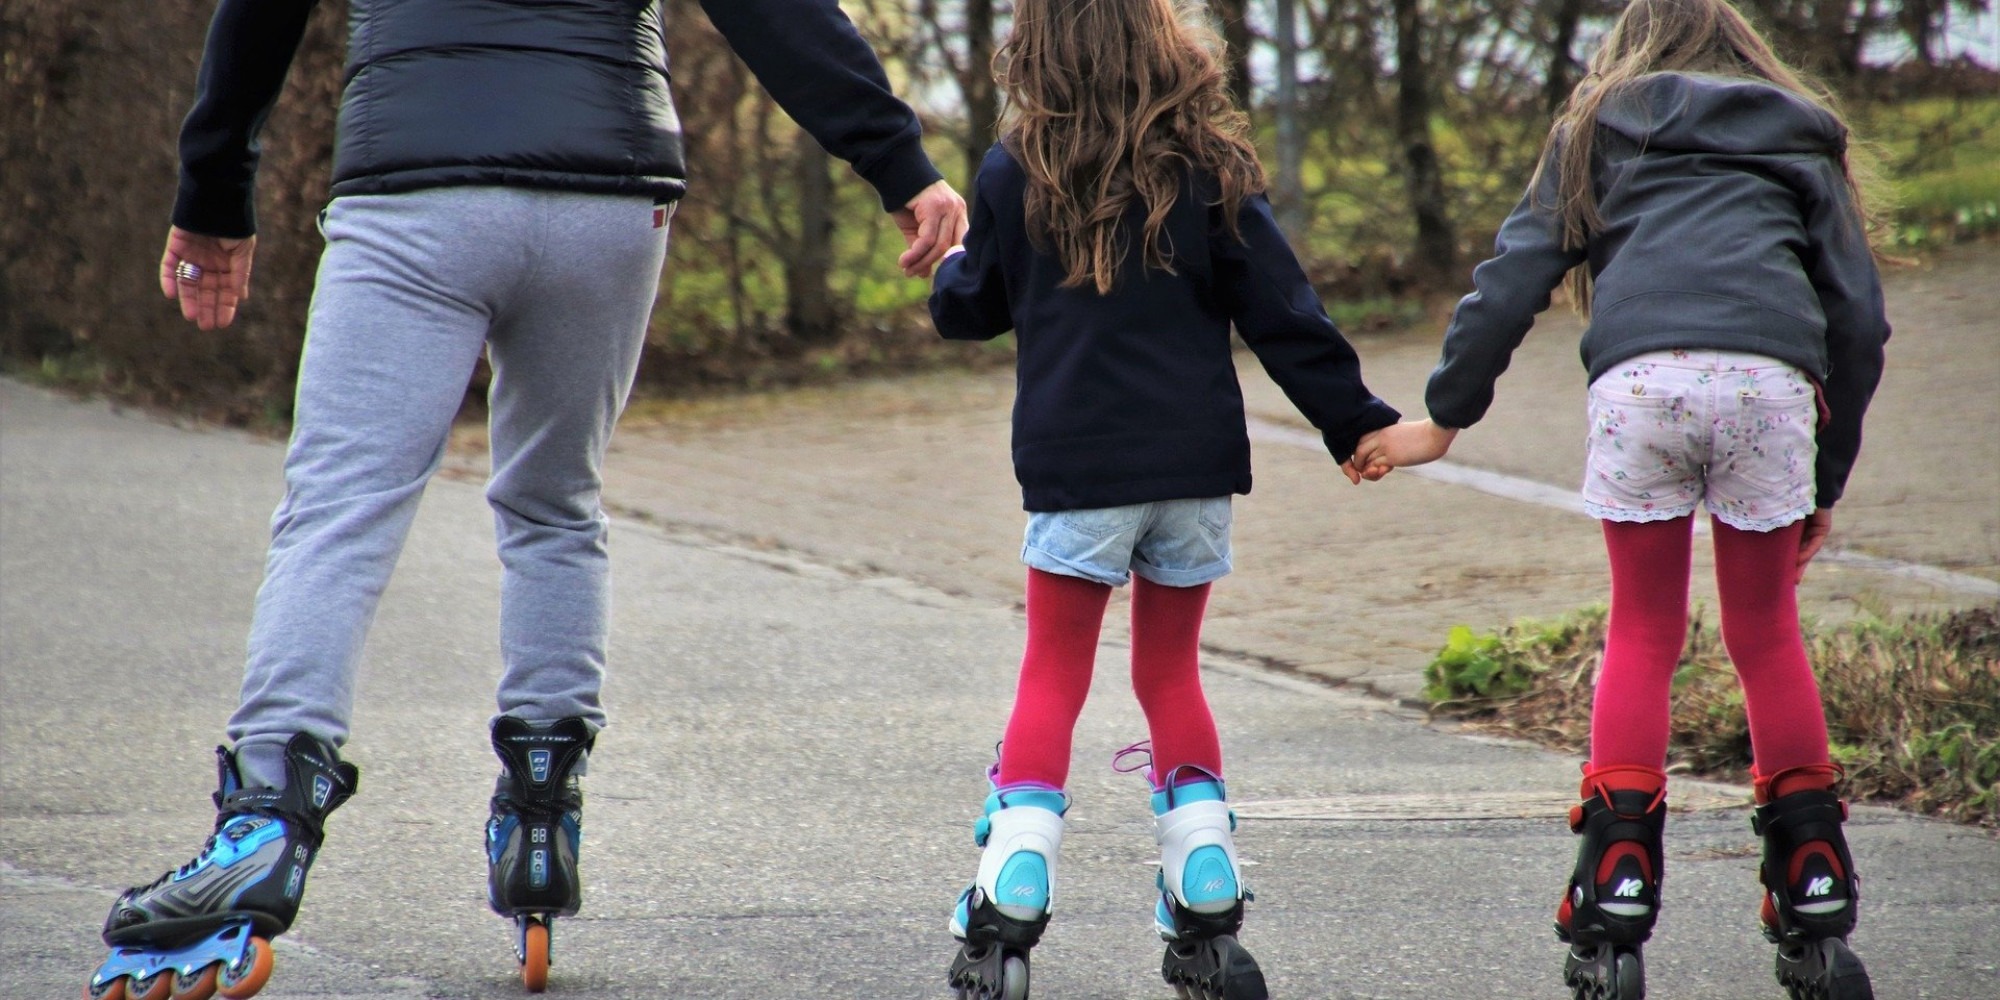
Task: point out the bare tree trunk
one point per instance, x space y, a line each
1436 250
1235 18
809 306
982 100
1562 66
1289 201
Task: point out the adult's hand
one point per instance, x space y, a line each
932 223
208 300
1819 524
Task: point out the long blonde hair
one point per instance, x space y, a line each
1111 102
1656 36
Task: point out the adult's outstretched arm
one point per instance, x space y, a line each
243 65
825 76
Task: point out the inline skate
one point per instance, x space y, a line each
999 918
206 926
1810 890
533 833
1201 887
1614 895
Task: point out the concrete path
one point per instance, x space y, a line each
782 806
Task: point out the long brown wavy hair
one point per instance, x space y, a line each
1111 102
1687 36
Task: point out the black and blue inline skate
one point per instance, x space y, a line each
206 926
1000 917
1202 896
534 832
1613 899
1811 893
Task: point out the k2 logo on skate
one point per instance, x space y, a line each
1821 886
1631 887
322 790
538 765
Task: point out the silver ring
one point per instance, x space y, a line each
187 271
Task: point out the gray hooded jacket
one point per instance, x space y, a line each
1727 226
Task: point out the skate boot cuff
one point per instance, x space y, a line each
1805 778
1602 781
539 760
317 782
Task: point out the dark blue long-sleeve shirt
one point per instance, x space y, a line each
1131 396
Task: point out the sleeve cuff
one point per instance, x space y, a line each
1378 414
230 213
898 175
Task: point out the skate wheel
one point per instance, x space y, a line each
1014 978
535 956
1629 977
200 986
153 987
113 990
248 975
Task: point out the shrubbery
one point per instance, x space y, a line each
1913 704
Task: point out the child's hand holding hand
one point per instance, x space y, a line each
1412 442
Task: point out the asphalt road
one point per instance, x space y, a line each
782 806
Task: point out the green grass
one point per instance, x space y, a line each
1912 703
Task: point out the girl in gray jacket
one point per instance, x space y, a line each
1697 194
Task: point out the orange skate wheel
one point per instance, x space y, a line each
155 987
199 986
113 990
535 958
239 983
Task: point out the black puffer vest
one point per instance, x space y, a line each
563 94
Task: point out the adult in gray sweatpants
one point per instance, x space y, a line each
504 175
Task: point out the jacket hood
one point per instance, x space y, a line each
1716 114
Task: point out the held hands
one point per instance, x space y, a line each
932 223
1412 442
218 281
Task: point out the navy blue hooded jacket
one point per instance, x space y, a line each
1131 396
1727 226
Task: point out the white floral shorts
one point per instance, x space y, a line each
1671 429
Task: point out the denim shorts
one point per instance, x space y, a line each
1673 428
1175 543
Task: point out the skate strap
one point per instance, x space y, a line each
1800 817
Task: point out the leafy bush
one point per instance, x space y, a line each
1913 705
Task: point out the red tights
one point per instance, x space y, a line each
1064 616
1754 573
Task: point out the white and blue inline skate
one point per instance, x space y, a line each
534 832
999 918
206 926
1201 890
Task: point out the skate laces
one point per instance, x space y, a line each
1143 751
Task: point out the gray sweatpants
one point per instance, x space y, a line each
556 288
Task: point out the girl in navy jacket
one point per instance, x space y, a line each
1697 193
1119 230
